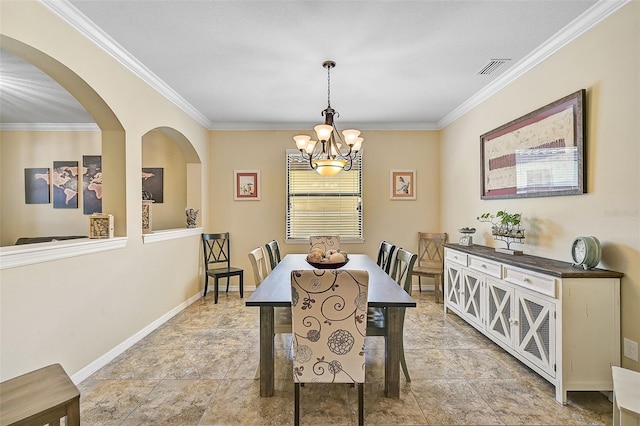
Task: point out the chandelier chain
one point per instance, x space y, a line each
329 87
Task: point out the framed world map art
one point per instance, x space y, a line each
540 154
92 184
65 184
37 186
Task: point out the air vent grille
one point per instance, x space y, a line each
492 66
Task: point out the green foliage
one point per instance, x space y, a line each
502 218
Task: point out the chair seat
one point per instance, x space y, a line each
282 320
375 320
221 272
426 271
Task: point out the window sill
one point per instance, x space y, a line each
342 241
29 254
169 234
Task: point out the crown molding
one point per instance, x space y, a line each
308 127
72 16
49 127
566 35
601 10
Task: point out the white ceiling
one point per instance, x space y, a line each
258 64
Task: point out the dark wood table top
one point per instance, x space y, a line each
275 290
543 265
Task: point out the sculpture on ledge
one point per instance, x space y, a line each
192 217
505 227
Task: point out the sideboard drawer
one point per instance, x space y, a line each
456 257
485 266
540 283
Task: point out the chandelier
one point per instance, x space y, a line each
331 153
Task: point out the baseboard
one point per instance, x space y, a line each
425 287
113 353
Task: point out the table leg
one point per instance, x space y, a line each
267 351
392 352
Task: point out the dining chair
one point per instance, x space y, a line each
329 308
385 255
324 243
217 261
282 315
431 261
376 317
258 264
273 250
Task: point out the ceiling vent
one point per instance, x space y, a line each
492 66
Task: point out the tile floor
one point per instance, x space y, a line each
199 369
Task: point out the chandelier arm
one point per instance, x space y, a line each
346 169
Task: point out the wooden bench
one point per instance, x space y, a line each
40 397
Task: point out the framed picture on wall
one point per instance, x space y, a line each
153 183
92 183
36 186
403 184
540 154
246 184
65 184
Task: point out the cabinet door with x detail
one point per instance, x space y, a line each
500 315
535 331
472 297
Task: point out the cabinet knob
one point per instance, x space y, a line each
483 266
526 280
513 321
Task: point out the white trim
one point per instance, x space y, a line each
49 127
169 234
119 349
574 29
72 16
308 127
29 254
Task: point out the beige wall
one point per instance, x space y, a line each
605 61
20 150
74 311
253 223
158 150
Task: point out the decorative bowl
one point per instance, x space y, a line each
327 265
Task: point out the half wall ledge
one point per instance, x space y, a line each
169 234
29 254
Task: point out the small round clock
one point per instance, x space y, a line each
586 252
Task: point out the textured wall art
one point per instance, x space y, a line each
65 184
37 186
92 184
153 183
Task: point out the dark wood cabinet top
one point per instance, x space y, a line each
542 265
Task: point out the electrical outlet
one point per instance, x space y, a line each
631 349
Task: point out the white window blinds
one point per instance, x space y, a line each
318 205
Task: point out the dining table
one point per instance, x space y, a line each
384 292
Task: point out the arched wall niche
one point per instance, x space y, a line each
112 132
167 148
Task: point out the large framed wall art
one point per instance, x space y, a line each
540 154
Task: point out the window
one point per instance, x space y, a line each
318 205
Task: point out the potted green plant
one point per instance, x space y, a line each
505 227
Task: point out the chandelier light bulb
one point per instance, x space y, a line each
323 131
302 141
350 136
358 144
310 146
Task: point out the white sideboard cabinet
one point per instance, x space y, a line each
561 321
